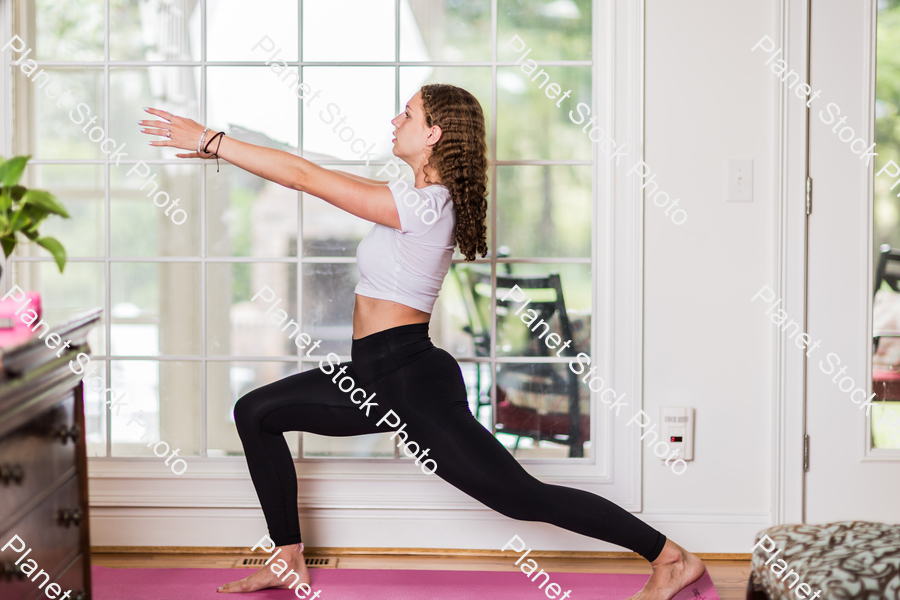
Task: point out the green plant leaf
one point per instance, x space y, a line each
16 192
9 244
11 170
31 234
17 222
53 246
5 201
45 200
36 214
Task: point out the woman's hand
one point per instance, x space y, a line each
179 133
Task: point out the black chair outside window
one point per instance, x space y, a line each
519 383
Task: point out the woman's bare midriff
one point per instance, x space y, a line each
371 315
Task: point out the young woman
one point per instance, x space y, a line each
402 264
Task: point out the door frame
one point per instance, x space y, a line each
790 269
851 336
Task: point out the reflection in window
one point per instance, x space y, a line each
536 316
544 210
543 410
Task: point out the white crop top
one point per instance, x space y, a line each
408 265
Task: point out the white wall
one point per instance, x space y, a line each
708 98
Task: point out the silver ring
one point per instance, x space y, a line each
169 134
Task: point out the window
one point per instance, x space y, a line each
885 416
185 331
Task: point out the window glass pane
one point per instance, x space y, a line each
544 409
478 389
173 89
155 309
139 223
80 188
454 320
549 325
886 424
348 30
56 134
554 29
344 123
253 104
529 123
247 215
885 418
330 231
235 27
441 30
68 30
226 383
161 404
236 324
80 288
154 30
328 299
544 210
475 80
95 407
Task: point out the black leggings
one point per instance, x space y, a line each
424 386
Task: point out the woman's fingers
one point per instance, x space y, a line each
178 132
161 132
159 113
151 131
158 124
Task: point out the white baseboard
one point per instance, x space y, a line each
378 528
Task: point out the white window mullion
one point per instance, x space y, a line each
204 412
299 257
108 250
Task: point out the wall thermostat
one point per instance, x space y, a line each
678 430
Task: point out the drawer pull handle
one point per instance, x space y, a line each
68 433
11 473
71 517
11 569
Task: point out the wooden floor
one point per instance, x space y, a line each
730 576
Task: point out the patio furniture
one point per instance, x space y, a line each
534 400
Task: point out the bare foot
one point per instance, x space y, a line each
266 578
673 570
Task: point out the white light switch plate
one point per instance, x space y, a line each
678 430
739 180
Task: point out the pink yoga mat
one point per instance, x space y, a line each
357 584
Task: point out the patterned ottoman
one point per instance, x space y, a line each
851 560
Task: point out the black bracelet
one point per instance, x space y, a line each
216 153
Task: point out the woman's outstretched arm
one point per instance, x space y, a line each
359 178
370 201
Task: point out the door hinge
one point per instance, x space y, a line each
809 195
806 453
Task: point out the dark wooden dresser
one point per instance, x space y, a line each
43 467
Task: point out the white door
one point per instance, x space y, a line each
847 479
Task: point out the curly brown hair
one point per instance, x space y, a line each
460 159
